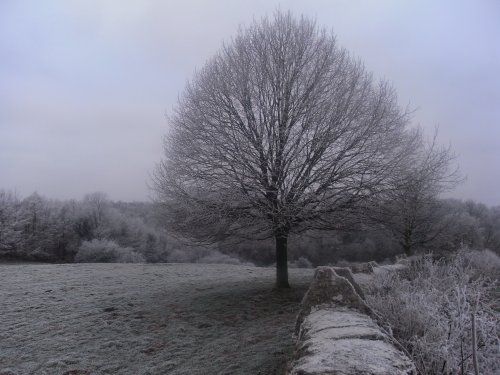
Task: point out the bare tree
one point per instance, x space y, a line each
97 203
11 224
282 131
411 208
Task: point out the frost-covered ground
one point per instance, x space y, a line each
146 319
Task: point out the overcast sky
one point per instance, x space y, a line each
85 85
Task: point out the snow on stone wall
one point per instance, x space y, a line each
337 334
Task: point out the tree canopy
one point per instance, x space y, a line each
280 132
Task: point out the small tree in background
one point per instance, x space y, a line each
282 131
11 224
410 208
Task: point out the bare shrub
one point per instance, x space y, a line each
343 263
216 257
105 251
181 256
430 310
484 262
301 262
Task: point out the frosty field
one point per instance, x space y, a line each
145 319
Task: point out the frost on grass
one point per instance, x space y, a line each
145 319
430 306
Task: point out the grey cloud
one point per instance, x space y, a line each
85 84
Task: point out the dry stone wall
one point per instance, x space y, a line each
337 333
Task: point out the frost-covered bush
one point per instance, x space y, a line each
179 256
129 255
105 251
484 262
343 263
216 257
184 252
301 262
40 254
429 309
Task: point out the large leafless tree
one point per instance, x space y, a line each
281 131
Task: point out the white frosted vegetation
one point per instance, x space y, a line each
145 319
430 308
107 251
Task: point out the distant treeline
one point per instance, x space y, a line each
96 229
453 225
39 229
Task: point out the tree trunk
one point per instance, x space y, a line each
407 248
407 245
281 261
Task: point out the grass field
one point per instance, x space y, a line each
146 319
